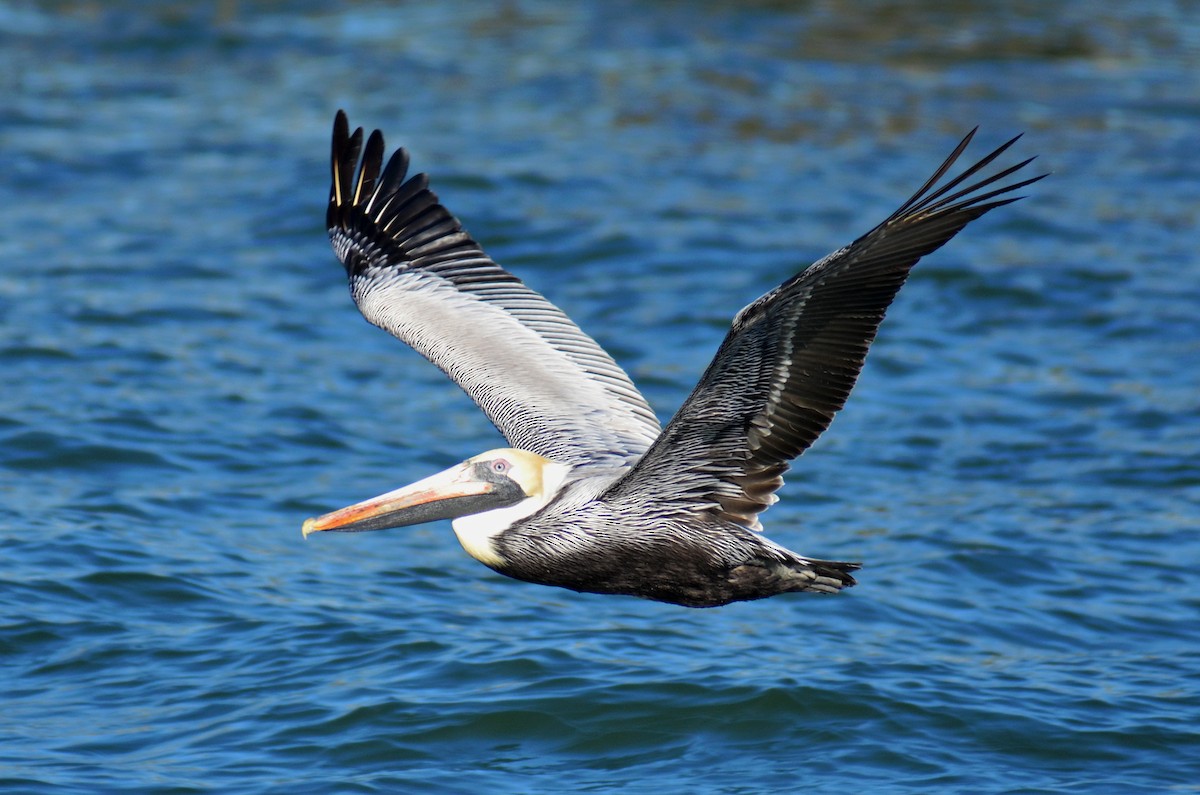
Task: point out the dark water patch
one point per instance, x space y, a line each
137 588
34 450
188 380
33 354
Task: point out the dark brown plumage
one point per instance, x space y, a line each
592 496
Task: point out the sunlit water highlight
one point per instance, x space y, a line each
186 380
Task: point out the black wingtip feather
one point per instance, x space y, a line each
343 158
946 199
396 240
368 172
804 343
368 198
938 174
390 181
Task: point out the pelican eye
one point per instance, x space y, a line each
501 466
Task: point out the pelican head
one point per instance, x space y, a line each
485 495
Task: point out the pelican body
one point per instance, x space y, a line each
593 494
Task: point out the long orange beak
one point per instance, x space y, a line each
456 492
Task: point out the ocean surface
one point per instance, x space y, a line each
185 380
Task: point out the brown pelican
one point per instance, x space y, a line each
594 495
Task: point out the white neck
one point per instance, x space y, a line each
477 532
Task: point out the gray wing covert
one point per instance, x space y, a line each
791 357
414 272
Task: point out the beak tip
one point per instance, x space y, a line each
310 526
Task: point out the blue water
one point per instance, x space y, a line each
185 380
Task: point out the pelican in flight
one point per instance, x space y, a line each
593 494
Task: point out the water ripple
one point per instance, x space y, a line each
187 380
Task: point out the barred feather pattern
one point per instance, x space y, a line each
791 358
415 272
667 514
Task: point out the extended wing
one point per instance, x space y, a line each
791 358
414 272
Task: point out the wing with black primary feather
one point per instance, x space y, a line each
413 270
791 357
